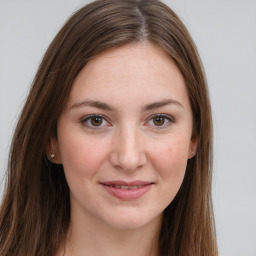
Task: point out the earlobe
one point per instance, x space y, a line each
191 154
53 152
192 148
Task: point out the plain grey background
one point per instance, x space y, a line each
225 33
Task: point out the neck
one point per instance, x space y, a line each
92 238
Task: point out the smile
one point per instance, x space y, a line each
127 190
126 187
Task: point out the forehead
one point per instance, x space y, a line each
140 70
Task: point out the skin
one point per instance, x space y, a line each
128 144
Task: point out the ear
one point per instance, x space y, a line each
53 152
192 147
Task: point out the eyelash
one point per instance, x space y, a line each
89 119
170 120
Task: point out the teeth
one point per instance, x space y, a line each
126 187
134 187
116 186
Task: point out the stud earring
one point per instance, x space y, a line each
52 156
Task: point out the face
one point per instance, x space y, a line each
125 136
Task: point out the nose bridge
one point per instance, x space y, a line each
129 150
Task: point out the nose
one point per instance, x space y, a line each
128 150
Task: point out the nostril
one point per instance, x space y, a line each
128 150
128 162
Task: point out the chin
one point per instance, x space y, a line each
133 220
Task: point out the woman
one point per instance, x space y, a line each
112 152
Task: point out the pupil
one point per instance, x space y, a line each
96 121
158 120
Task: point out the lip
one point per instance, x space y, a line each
112 187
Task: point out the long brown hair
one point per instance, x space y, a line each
35 211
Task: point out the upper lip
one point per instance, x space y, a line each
125 183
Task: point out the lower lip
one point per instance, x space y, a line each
127 194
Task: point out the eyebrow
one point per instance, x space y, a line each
104 106
94 104
161 103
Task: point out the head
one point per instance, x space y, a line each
38 188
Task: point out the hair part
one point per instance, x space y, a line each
35 211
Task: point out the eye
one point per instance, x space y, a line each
94 121
161 120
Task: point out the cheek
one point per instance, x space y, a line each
170 161
81 156
170 158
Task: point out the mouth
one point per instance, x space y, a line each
125 187
127 190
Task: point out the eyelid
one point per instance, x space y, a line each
84 119
170 119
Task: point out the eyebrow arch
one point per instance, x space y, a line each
94 104
161 104
104 106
